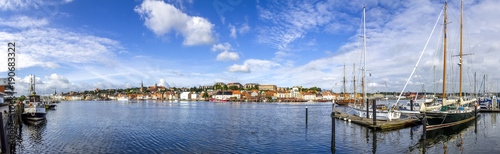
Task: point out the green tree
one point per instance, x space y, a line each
22 98
205 95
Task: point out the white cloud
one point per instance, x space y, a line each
23 22
244 29
222 47
162 18
253 65
228 56
51 47
163 83
239 68
233 31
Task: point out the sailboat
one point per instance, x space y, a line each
34 109
452 111
383 112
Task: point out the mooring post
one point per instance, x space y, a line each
367 109
333 133
306 116
374 104
424 126
2 134
411 104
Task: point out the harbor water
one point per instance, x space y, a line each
232 127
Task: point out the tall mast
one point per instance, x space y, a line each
461 30
444 67
344 79
434 81
354 81
364 56
475 92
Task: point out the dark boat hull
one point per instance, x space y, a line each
34 116
436 120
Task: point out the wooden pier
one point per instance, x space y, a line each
380 125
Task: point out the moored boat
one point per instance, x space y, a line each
34 109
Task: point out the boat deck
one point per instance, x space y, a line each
381 125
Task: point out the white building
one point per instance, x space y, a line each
185 95
254 94
328 96
309 96
195 96
223 96
295 93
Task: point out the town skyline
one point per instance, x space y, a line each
285 43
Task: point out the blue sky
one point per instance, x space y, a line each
73 45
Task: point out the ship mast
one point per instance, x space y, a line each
364 56
444 66
344 79
461 31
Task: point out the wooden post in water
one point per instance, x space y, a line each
306 116
333 133
374 105
411 104
424 126
3 135
367 109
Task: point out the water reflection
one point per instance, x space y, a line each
233 127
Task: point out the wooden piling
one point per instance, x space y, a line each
424 126
333 133
306 116
3 135
374 106
367 109
411 104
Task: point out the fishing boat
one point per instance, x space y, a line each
34 109
455 110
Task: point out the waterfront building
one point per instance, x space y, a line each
309 96
295 93
195 96
254 93
185 95
223 95
329 96
267 87
236 94
156 88
250 85
282 94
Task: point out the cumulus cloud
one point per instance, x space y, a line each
161 18
23 22
51 47
239 68
242 30
228 56
233 31
163 83
222 47
253 65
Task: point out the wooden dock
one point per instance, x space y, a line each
381 125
